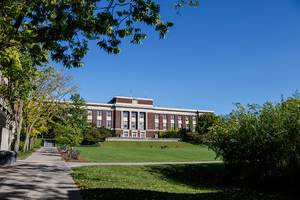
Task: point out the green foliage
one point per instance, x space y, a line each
95 135
262 142
76 116
64 27
70 134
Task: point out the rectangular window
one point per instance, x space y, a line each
125 114
142 125
164 116
143 134
172 117
99 123
90 113
142 115
194 127
126 134
179 117
108 124
187 126
133 125
179 126
194 118
99 112
133 115
108 113
186 118
134 133
125 120
157 125
90 120
172 126
156 116
165 126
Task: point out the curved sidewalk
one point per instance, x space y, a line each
43 175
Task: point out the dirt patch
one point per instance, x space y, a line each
68 158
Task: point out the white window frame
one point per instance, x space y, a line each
164 116
108 123
108 114
156 125
125 133
143 134
134 133
98 120
90 112
99 113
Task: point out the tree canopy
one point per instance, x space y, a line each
63 27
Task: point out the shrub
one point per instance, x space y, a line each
260 143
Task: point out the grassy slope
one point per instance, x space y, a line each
123 151
201 181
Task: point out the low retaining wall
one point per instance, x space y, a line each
144 139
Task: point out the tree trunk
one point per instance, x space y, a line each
18 125
28 131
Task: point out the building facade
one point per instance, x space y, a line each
138 118
7 123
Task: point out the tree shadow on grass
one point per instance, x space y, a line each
124 194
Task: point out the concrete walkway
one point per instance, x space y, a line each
43 175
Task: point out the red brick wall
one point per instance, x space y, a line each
168 121
161 125
94 115
151 120
104 118
145 102
176 120
121 100
150 134
117 119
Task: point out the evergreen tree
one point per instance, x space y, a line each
76 113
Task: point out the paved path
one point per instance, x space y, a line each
43 175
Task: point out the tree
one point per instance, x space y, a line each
260 143
76 112
70 133
19 68
46 99
63 27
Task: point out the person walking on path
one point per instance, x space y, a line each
43 175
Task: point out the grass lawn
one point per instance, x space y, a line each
132 151
23 155
196 181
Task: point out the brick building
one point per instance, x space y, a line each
7 123
137 117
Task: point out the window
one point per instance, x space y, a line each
99 123
172 126
143 134
194 127
186 118
125 120
108 124
90 113
179 125
142 115
157 125
133 125
134 133
133 115
99 112
164 116
194 118
179 117
108 113
165 126
142 125
172 117
126 134
156 116
90 120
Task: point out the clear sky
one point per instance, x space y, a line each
217 54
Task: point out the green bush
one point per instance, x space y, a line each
262 142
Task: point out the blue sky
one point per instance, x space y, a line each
217 54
